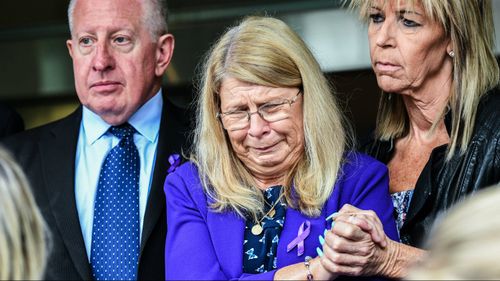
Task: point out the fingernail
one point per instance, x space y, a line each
321 240
324 233
333 223
331 216
318 250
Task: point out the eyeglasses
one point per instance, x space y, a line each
271 112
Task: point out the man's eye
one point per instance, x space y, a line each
121 40
86 41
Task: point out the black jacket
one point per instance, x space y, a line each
443 183
10 121
47 155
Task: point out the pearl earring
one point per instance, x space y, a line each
451 54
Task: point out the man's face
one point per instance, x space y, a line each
116 63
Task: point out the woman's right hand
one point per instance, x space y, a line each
356 245
320 272
357 255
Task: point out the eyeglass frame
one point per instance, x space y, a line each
291 101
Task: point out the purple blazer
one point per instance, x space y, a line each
205 245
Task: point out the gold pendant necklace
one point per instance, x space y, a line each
272 213
257 227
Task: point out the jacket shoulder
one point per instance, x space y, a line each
185 176
27 140
488 113
360 161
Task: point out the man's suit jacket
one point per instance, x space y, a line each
47 155
10 121
205 245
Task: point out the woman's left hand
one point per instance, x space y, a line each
356 245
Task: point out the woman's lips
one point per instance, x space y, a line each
264 149
384 67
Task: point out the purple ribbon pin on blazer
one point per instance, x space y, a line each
304 230
175 161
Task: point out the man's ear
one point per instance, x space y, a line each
69 44
164 52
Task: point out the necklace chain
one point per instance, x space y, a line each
272 208
257 228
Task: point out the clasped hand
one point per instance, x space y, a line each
356 245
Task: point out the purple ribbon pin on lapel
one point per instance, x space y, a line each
304 230
175 161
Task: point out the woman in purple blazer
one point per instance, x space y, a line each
269 166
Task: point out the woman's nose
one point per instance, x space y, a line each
258 125
385 34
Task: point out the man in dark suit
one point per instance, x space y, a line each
120 51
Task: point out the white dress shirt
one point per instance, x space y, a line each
94 143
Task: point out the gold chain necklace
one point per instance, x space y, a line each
257 227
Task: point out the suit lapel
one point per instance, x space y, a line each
226 230
57 150
173 128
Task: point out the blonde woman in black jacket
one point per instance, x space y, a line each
438 125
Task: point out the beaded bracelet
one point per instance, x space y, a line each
307 264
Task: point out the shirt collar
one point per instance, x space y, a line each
146 121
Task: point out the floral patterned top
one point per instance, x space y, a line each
401 201
260 250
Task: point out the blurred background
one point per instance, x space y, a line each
36 75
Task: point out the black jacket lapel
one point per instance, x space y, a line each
175 125
58 150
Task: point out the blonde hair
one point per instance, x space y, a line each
469 25
265 51
465 242
22 229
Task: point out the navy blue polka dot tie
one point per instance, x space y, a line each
115 232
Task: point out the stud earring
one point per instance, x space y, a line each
451 54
